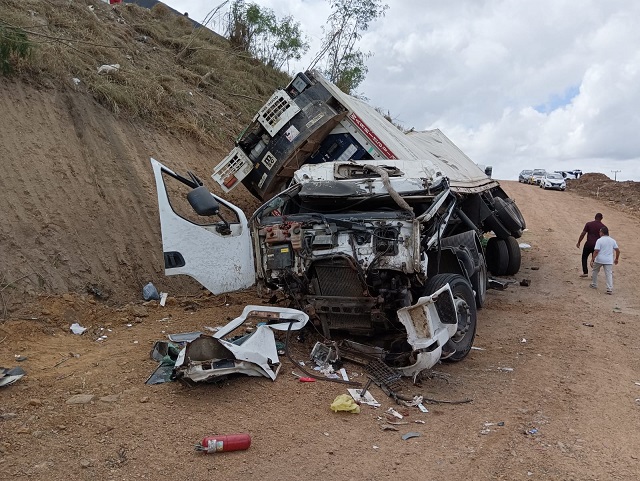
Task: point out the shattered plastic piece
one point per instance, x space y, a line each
410 435
343 373
588 324
77 328
394 413
422 408
419 421
523 245
367 399
344 402
523 340
474 348
9 376
184 336
531 431
75 80
163 298
322 354
505 369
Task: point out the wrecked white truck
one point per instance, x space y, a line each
376 234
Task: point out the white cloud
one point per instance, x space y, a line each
477 69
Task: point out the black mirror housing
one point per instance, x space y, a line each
202 202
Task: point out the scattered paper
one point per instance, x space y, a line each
163 298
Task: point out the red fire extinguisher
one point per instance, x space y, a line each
228 442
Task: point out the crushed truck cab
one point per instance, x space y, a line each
374 233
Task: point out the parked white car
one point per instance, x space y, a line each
553 181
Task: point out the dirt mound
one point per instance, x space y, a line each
624 196
79 208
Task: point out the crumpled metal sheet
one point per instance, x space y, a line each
209 357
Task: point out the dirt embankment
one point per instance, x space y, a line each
624 196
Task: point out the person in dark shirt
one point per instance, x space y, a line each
592 231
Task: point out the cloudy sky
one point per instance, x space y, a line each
521 84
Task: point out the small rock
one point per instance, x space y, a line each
21 358
35 402
67 297
110 398
144 399
86 463
138 311
22 430
44 465
81 399
37 434
6 416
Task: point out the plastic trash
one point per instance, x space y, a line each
344 402
77 328
149 292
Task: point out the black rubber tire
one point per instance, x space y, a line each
464 300
515 256
497 256
507 215
479 281
493 224
516 209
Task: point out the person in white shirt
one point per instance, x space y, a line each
603 256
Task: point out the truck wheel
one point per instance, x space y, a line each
507 215
493 224
515 256
479 282
465 306
497 256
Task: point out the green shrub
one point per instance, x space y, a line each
14 47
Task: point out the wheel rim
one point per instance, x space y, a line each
464 314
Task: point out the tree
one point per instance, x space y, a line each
257 31
343 62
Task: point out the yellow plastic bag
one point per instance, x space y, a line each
344 402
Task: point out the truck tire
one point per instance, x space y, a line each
492 223
464 302
479 282
497 256
507 215
515 256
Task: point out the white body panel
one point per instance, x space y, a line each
221 263
256 355
424 330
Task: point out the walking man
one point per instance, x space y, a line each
592 231
603 256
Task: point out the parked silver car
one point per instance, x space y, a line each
553 181
524 176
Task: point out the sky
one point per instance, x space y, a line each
551 84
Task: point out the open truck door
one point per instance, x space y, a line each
219 254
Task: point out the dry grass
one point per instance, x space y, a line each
170 75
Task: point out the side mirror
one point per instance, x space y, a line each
202 202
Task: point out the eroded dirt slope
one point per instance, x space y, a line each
79 206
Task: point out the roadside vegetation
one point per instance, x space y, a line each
170 74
